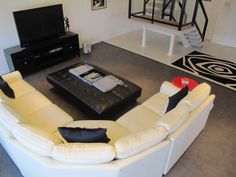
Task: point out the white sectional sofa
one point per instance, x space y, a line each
145 142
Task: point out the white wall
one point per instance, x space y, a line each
91 25
222 23
225 28
101 24
137 6
212 9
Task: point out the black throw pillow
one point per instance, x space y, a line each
84 135
6 89
176 98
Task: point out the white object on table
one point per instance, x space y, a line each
80 69
106 84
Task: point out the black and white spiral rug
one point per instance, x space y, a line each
217 70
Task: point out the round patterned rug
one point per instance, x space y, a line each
217 70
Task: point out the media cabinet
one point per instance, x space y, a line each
44 53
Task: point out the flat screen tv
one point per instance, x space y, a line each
38 24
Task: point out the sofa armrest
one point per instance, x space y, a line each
12 77
181 139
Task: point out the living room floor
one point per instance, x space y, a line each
213 152
157 47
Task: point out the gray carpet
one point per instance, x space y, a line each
213 153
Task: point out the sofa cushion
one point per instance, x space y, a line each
84 135
84 153
29 102
48 118
6 89
114 129
168 88
35 139
197 96
172 120
138 118
21 88
136 142
157 103
176 98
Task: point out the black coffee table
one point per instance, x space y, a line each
90 97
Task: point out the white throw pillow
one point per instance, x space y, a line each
172 120
168 88
197 96
139 141
35 138
83 153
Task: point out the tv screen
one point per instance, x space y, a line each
39 24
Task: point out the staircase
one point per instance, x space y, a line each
161 12
178 13
158 8
193 37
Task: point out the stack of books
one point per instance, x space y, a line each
89 75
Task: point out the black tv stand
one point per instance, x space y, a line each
42 54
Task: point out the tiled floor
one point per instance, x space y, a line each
157 47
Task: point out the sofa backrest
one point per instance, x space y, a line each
197 96
35 139
8 117
136 142
174 119
83 153
194 98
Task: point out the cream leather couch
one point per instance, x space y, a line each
145 142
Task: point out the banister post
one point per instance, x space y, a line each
153 10
195 12
130 4
182 15
172 9
163 9
144 7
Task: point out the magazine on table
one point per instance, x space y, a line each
80 70
105 84
92 77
